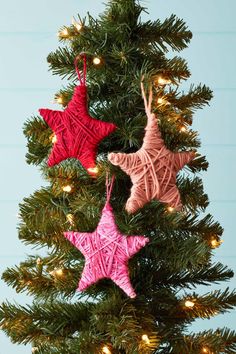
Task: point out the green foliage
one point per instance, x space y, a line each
178 257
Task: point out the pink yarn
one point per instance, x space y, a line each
78 134
153 168
106 251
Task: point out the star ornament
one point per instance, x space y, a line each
153 168
77 133
106 252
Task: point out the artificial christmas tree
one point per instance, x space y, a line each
121 50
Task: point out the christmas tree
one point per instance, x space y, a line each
122 211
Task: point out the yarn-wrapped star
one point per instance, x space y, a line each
106 252
77 133
153 168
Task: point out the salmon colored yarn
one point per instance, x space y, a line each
153 168
106 251
77 133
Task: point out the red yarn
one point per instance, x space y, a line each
78 134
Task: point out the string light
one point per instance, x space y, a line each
205 350
4 324
163 81
96 61
215 242
190 304
67 188
59 100
145 339
170 209
57 272
54 138
76 24
70 218
106 350
39 261
93 170
63 33
183 129
162 101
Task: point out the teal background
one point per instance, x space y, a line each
28 33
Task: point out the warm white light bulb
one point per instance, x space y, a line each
205 350
70 218
67 188
63 33
160 100
93 170
59 272
59 100
76 24
145 339
183 129
162 81
54 138
216 243
39 261
106 350
96 61
190 304
170 209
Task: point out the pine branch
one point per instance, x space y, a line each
192 194
61 62
196 98
219 341
42 320
202 276
210 304
121 12
172 33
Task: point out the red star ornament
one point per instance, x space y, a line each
153 168
106 252
77 133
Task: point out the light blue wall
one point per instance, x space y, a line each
28 33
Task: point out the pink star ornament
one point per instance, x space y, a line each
153 168
106 252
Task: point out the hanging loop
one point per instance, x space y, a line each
109 186
81 77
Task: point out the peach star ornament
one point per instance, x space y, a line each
106 251
153 168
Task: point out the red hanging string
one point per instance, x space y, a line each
81 76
